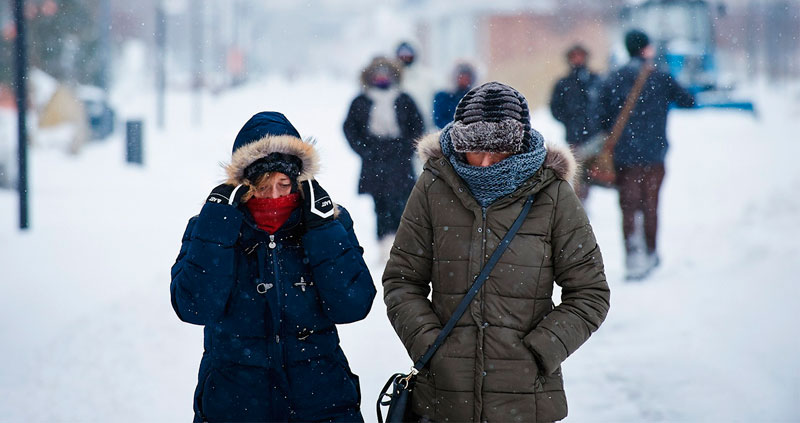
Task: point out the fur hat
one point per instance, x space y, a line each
492 117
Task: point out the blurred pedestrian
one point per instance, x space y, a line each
381 126
642 146
445 102
571 104
502 361
417 80
270 266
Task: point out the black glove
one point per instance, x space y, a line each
317 205
227 194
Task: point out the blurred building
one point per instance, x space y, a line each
519 43
523 44
222 43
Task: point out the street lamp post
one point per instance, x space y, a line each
22 133
161 74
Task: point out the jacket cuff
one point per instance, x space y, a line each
547 348
218 223
422 343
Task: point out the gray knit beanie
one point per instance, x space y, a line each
492 117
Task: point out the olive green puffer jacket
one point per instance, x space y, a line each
502 361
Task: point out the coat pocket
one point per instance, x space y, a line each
551 402
240 394
322 388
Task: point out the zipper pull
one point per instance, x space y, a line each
272 243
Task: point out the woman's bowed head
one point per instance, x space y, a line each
270 266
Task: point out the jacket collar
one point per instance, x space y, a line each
559 164
443 169
292 229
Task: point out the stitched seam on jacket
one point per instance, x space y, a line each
415 255
520 298
549 241
559 339
406 219
570 232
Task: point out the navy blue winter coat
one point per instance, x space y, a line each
386 163
644 140
269 304
444 106
571 104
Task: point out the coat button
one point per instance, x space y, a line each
480 229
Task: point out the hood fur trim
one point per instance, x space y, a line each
559 158
394 68
562 161
428 147
286 144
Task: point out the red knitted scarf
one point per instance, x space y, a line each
271 213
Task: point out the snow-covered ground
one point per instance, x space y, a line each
88 333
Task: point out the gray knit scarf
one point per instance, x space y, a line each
490 183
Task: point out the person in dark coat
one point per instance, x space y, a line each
502 360
270 266
445 102
417 82
571 104
381 127
642 147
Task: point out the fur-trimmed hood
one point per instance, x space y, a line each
286 144
559 158
392 66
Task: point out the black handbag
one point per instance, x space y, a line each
397 392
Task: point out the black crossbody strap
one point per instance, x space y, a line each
462 307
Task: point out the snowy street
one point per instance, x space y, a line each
88 332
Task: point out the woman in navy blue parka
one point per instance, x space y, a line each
269 267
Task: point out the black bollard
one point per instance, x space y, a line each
133 138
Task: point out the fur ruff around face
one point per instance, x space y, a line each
559 158
286 144
395 70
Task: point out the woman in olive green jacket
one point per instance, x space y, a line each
502 361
